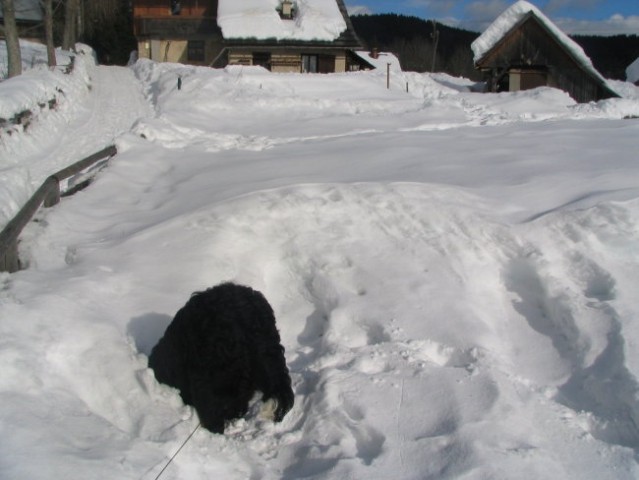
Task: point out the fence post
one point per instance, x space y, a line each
9 261
52 195
47 195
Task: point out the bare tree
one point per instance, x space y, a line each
97 11
47 6
11 38
71 20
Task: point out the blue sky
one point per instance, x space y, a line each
596 17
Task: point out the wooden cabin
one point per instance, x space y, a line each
29 20
189 31
179 32
531 52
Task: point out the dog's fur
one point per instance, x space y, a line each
221 348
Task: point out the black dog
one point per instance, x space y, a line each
221 348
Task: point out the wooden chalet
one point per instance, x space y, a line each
534 53
179 32
188 32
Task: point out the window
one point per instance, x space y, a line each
262 59
195 50
309 63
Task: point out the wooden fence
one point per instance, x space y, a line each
47 195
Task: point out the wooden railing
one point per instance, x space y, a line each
47 195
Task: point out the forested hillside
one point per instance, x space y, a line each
412 39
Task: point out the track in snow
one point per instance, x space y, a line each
115 103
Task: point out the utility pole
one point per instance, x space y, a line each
435 37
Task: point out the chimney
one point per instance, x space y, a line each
287 9
374 53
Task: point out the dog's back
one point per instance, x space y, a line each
221 347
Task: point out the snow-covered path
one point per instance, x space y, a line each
91 116
113 105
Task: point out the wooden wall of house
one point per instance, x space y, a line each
162 8
177 51
286 62
290 61
532 45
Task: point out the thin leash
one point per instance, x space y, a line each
178 451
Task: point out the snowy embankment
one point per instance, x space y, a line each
454 277
72 116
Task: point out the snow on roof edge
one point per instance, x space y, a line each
632 72
382 60
319 20
511 17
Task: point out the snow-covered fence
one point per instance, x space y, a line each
47 195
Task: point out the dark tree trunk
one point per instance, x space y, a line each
12 40
71 17
48 32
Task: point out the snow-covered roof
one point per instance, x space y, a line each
382 60
632 72
26 10
511 17
314 20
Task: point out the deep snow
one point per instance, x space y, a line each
91 110
454 276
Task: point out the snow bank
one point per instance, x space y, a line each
510 17
315 20
37 85
66 122
49 97
453 274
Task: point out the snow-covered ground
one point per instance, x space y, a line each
454 276
91 110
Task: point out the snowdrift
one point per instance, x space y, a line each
454 277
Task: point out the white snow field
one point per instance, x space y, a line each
454 276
